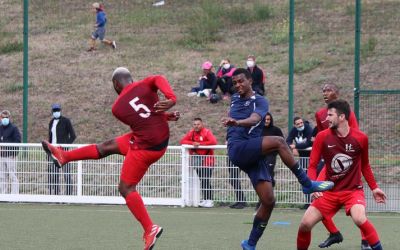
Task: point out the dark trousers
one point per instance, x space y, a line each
225 84
234 173
204 174
54 179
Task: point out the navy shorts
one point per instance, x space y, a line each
100 32
247 155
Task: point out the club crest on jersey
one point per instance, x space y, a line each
349 148
247 103
341 163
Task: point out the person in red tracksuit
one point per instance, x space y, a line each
139 107
345 152
202 159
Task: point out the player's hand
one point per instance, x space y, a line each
164 105
173 116
228 121
379 195
316 195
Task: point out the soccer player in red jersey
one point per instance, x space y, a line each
345 151
330 92
139 107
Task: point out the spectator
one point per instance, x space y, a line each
60 132
299 139
234 174
257 75
271 130
100 26
202 159
9 133
224 79
206 81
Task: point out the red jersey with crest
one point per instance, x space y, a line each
323 123
346 159
135 107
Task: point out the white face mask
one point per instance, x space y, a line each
227 66
250 63
56 114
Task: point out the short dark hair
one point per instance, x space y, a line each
341 106
197 119
296 118
239 71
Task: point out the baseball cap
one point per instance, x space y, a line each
56 106
206 65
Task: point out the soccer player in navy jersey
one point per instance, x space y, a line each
247 149
345 151
139 107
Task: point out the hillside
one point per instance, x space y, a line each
174 40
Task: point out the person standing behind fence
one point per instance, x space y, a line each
9 133
202 159
100 25
60 132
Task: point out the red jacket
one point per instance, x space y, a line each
204 137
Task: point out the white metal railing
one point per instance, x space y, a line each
170 181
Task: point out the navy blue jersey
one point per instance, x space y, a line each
242 108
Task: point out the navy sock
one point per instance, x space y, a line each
257 230
301 175
377 246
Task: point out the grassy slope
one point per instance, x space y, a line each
162 41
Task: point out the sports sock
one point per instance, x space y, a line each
303 240
83 153
371 235
330 225
257 231
136 206
301 175
362 236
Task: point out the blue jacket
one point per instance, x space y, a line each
9 134
101 18
301 139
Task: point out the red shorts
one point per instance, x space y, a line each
136 163
331 202
123 142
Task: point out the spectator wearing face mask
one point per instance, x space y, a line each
60 132
224 79
257 75
299 139
9 133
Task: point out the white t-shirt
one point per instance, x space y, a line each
54 131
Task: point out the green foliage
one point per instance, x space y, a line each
280 32
368 48
302 66
11 47
239 15
15 87
262 12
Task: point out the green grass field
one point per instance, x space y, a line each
42 226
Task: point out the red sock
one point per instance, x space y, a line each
83 153
369 232
303 240
362 235
330 225
135 204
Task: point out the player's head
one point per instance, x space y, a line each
120 78
330 92
197 124
241 80
338 112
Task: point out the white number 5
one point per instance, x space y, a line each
140 106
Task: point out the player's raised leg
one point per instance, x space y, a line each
276 143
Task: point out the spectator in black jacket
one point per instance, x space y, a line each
257 75
9 133
60 132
